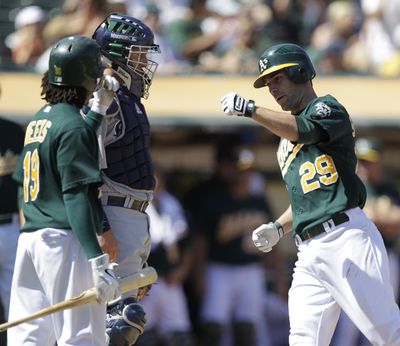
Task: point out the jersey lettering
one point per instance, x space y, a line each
322 171
287 152
31 175
234 225
36 131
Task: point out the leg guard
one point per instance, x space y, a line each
244 334
210 334
125 322
149 338
181 339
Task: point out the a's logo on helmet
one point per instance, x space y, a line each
57 73
263 64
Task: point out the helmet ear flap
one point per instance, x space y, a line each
300 74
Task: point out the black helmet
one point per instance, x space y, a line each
75 61
119 36
287 56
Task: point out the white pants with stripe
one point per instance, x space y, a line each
235 292
166 309
50 267
347 268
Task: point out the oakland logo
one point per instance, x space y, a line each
323 110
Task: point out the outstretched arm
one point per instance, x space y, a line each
280 123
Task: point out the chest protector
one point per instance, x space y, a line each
128 155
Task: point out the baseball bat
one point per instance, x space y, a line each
138 279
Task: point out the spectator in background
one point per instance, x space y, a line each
168 321
169 61
229 274
377 41
240 56
332 41
11 144
188 35
27 42
78 17
285 24
383 207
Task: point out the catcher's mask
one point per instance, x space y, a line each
75 61
288 56
125 43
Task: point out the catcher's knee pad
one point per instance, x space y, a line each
244 334
125 323
181 339
211 334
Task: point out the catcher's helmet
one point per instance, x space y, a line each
287 56
75 61
119 36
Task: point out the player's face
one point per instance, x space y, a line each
286 93
138 58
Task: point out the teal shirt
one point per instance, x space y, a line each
320 169
60 153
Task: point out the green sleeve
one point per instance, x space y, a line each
310 132
82 219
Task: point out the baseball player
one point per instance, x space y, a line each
223 211
58 254
11 144
342 261
126 45
168 320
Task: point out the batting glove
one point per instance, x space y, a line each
104 94
105 281
267 235
234 104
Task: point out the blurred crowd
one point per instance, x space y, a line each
226 36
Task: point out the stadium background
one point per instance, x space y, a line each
187 121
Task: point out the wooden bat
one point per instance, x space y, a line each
138 279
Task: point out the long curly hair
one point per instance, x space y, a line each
53 94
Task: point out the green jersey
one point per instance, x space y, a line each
11 143
60 153
320 169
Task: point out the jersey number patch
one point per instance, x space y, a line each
322 171
31 175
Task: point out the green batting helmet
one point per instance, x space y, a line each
75 61
287 56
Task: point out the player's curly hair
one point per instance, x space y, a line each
74 95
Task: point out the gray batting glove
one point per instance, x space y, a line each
234 104
104 94
105 281
266 236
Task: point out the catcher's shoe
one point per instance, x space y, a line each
125 322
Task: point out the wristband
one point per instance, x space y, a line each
279 228
251 106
